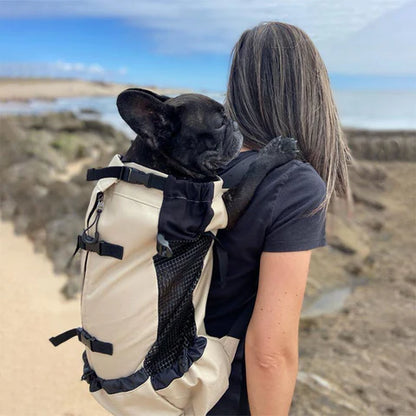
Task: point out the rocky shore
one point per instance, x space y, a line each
358 330
43 163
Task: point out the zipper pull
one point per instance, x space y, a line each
100 202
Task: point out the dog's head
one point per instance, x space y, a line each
191 131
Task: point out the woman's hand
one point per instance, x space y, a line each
272 335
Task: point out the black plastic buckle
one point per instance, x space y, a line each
91 243
86 339
135 176
122 174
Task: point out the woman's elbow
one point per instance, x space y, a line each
267 356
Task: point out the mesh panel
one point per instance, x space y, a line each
177 278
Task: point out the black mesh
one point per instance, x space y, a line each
177 278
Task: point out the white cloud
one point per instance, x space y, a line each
188 26
385 46
59 69
78 67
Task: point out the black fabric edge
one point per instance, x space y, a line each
179 368
112 386
131 382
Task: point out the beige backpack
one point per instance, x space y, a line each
147 260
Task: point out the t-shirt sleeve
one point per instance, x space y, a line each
290 227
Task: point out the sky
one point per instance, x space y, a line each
185 43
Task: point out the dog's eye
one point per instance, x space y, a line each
209 142
220 121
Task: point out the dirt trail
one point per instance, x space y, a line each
37 379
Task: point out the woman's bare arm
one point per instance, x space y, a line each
272 335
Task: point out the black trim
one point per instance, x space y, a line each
127 174
180 367
112 386
87 339
101 247
135 380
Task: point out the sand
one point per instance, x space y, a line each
37 378
25 89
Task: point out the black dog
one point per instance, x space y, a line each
191 137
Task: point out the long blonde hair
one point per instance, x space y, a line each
278 85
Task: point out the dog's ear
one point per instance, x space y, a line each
146 113
162 98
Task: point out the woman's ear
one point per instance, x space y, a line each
146 113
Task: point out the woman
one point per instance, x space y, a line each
278 85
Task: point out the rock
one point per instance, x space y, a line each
347 237
63 121
325 391
35 150
355 268
361 198
382 145
72 146
89 111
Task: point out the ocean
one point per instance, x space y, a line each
374 110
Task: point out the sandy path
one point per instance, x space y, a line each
36 378
23 89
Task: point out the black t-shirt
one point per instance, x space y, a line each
276 220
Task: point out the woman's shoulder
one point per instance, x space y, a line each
297 191
295 179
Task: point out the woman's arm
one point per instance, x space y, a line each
272 335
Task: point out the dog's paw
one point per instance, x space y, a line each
287 145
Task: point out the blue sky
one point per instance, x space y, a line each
183 43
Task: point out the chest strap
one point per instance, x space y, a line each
127 174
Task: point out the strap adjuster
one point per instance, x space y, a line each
101 247
92 343
86 339
90 243
135 176
138 177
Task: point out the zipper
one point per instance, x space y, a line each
99 200
98 209
83 276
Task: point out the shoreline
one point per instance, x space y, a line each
49 89
19 91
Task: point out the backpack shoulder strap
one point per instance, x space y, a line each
232 176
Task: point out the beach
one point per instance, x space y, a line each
37 378
358 328
17 89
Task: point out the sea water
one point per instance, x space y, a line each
378 110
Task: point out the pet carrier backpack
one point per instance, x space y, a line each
147 258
